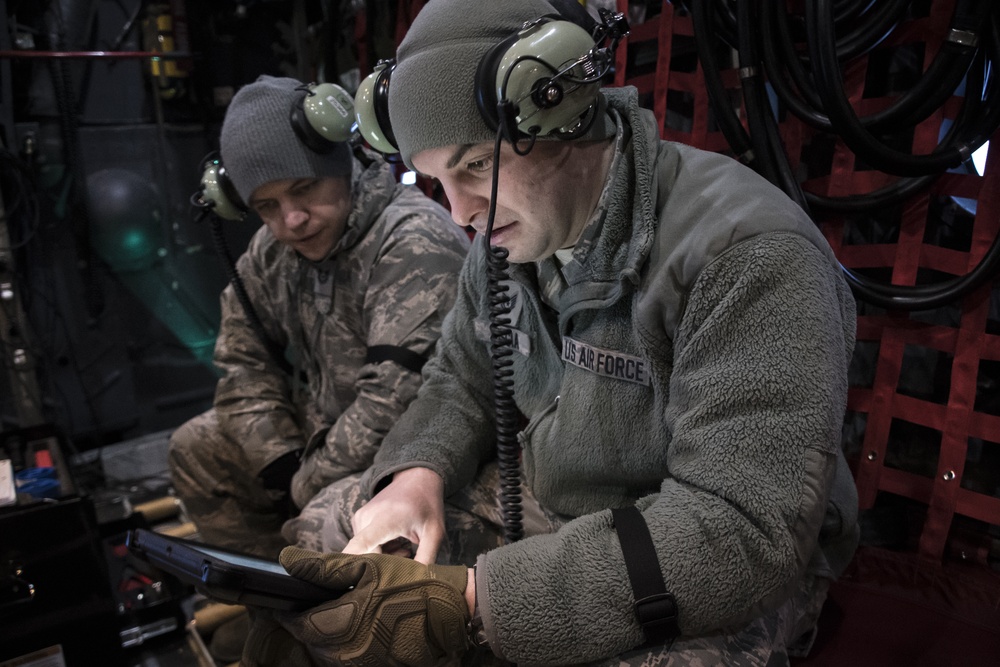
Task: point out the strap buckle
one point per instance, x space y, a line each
657 615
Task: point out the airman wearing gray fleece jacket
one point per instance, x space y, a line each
684 350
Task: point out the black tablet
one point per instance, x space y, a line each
226 575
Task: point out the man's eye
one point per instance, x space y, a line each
303 188
480 165
263 207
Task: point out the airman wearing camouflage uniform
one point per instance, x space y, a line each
384 284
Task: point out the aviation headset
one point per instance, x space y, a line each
321 118
543 80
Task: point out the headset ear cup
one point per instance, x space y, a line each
382 103
551 73
324 117
218 191
305 131
371 109
486 84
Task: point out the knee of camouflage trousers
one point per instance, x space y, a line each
229 507
191 454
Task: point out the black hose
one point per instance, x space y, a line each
850 11
830 87
926 297
778 73
890 195
905 188
977 120
933 88
760 117
875 27
725 116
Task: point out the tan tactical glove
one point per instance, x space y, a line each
393 611
270 645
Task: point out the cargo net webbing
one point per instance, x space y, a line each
922 431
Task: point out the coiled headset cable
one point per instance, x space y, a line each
497 266
501 349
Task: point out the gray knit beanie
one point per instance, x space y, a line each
258 144
432 91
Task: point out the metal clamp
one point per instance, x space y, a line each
963 37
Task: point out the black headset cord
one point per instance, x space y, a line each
222 248
501 349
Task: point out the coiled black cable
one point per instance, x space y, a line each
871 27
982 77
915 105
794 92
614 28
767 141
943 75
851 10
794 87
501 349
848 46
861 24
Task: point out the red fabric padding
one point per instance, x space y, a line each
891 609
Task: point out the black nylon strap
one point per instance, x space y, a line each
408 359
655 608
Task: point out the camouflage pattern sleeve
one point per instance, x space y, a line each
410 288
253 397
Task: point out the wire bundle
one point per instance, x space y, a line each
808 83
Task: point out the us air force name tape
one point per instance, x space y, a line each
606 362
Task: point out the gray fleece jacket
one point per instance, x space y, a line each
694 364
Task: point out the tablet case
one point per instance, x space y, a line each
226 575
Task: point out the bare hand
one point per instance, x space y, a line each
411 508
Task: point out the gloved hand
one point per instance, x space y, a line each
270 645
393 610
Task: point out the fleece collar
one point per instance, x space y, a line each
616 242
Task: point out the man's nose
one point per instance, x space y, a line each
295 217
466 206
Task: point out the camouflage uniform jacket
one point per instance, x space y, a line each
690 359
389 281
